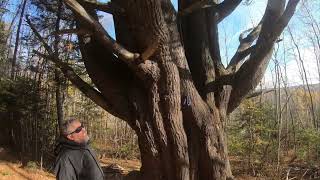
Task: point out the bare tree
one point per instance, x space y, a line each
305 79
16 45
277 101
57 74
313 33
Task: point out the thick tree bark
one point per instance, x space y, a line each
180 136
164 77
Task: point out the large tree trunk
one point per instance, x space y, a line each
173 90
180 136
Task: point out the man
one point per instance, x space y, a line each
76 160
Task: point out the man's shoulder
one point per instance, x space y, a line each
67 153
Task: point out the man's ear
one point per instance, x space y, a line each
70 137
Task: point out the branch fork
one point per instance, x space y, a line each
101 34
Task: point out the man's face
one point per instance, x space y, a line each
80 137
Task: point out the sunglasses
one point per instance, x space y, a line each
77 130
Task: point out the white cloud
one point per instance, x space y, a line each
310 64
293 69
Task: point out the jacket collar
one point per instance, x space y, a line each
64 143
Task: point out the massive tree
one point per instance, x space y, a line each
163 75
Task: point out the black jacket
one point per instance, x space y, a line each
76 162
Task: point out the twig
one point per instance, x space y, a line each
68 71
304 173
288 173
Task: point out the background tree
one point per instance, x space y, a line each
166 79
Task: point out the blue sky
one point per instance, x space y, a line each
243 18
247 16
230 28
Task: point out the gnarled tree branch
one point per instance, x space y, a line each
101 34
251 72
245 48
226 8
109 7
84 87
286 16
213 36
223 9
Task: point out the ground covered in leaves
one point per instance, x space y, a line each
12 169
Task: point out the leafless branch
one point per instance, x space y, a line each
44 43
83 86
245 48
239 58
286 16
252 36
287 178
258 93
226 8
197 6
285 104
72 31
212 30
109 7
276 17
101 34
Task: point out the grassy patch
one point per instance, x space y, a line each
5 173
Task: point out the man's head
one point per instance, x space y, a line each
74 131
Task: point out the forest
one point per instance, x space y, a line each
167 90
